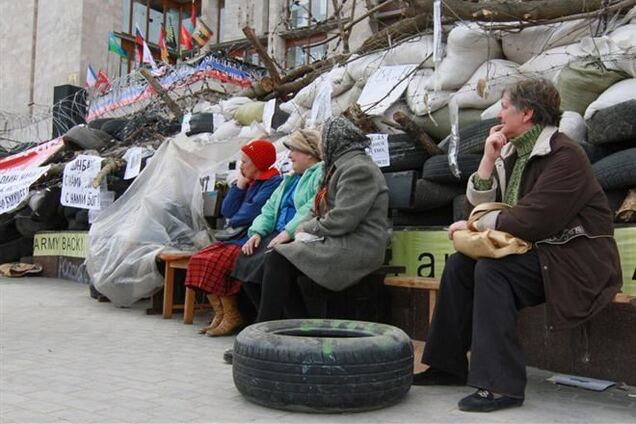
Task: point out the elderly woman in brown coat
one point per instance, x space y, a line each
574 267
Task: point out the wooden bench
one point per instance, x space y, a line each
432 286
178 260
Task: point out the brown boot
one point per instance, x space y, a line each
215 301
232 318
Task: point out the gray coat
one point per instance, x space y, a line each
355 228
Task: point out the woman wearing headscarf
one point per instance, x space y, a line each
279 217
209 269
346 232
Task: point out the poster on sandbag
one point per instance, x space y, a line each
14 186
384 87
77 183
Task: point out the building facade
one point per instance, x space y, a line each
44 44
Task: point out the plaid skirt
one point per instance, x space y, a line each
209 269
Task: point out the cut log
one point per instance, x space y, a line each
628 208
417 133
360 119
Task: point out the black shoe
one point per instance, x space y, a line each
436 377
485 401
228 355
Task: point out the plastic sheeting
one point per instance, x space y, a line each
162 208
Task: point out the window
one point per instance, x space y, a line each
139 16
299 54
304 13
221 19
155 20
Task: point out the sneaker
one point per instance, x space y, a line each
436 377
228 355
486 401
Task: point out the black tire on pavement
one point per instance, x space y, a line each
405 152
430 195
473 137
323 365
617 170
613 124
436 168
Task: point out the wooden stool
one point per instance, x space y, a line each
429 284
177 260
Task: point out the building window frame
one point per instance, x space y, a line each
308 12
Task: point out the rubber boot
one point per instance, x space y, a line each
215 301
232 318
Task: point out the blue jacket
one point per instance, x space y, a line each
240 207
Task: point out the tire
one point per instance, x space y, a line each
438 217
325 366
400 186
8 230
461 208
473 137
613 124
14 250
617 171
44 203
115 127
436 169
28 226
98 123
406 154
430 195
84 138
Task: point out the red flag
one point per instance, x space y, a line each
103 82
193 16
165 56
186 38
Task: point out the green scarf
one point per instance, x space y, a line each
523 145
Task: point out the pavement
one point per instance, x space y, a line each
65 357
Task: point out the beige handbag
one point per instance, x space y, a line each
488 243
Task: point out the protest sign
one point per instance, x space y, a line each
379 149
77 188
14 186
384 87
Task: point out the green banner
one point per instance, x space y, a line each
424 252
72 244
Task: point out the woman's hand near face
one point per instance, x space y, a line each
242 181
282 238
251 244
492 149
455 226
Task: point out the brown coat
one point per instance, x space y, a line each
562 209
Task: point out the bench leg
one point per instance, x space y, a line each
432 300
188 307
168 291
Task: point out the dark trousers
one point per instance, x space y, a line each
477 310
279 295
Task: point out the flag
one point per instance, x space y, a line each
91 77
193 15
165 56
103 82
139 42
113 46
147 56
202 33
185 39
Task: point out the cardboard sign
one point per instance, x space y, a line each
77 188
14 186
384 87
379 149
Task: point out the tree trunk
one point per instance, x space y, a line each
262 53
417 133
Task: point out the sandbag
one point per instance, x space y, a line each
625 39
360 68
581 83
620 92
81 137
613 124
227 131
249 112
497 75
521 46
573 125
422 100
229 106
467 48
340 103
492 111
548 64
341 81
416 51
386 124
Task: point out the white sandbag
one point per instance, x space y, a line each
340 103
620 92
383 122
361 67
416 51
229 106
291 107
573 125
549 63
492 111
206 107
340 82
523 45
422 100
296 120
227 131
625 39
253 131
487 84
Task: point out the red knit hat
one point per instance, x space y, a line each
261 152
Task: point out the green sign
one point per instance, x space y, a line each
424 253
72 244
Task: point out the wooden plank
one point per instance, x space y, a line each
413 282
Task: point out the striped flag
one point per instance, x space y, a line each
91 77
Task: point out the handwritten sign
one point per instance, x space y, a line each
71 244
379 149
384 87
77 188
14 186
